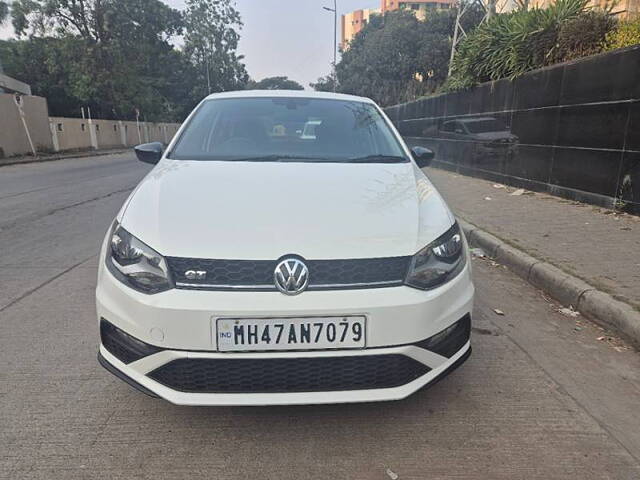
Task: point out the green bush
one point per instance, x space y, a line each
583 35
511 44
625 35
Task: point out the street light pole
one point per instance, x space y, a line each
335 44
335 41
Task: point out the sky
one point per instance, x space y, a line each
284 37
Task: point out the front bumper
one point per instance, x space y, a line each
178 326
137 378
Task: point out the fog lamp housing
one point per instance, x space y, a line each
449 341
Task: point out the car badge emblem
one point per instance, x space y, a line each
195 274
291 276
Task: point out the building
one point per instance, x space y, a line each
420 7
11 85
622 9
506 6
354 22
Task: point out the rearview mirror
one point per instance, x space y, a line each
422 156
149 152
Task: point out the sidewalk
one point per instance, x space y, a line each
596 245
62 155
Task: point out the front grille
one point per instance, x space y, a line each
258 274
224 272
280 375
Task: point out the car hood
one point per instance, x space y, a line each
496 136
264 210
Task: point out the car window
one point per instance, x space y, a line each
292 128
448 126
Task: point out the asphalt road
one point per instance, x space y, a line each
540 398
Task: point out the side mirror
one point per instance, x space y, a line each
422 156
149 152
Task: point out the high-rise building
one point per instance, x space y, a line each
355 21
420 7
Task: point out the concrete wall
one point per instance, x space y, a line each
13 137
80 134
571 129
54 134
71 133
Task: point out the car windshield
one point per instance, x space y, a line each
288 129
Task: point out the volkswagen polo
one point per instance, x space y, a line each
263 262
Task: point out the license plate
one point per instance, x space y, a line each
311 333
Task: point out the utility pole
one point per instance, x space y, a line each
1 72
491 9
208 78
463 6
335 42
18 101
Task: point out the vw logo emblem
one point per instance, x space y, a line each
291 276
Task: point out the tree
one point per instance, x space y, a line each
211 42
46 64
397 57
435 50
114 56
274 83
96 21
4 12
582 36
4 15
325 84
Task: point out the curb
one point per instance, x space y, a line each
567 289
50 158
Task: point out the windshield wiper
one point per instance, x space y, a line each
303 158
274 158
376 159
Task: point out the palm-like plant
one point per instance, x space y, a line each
511 44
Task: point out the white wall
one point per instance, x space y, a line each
18 133
79 134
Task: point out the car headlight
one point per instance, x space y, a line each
136 264
439 261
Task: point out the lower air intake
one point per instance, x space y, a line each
281 375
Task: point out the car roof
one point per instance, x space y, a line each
288 94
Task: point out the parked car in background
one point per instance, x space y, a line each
478 140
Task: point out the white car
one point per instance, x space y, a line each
257 266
